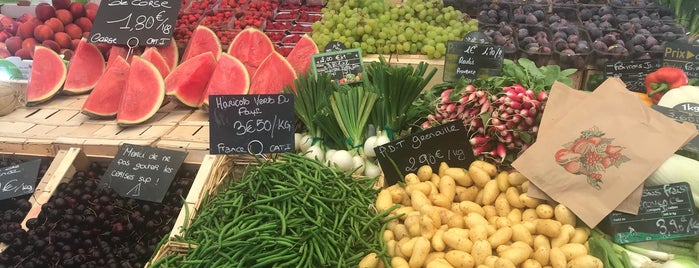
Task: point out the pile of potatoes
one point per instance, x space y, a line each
480 217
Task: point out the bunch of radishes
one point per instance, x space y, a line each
500 125
361 160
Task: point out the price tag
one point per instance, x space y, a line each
682 116
344 66
19 179
251 124
143 173
471 60
135 22
633 73
682 55
334 46
666 212
446 143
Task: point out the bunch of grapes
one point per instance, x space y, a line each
414 27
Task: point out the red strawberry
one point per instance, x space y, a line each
606 162
611 149
573 167
595 140
582 146
564 156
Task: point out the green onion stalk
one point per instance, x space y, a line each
311 98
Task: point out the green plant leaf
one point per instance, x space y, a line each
530 67
568 72
526 138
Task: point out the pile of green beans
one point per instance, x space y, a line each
288 212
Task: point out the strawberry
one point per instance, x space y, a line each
564 156
607 162
611 149
595 140
573 167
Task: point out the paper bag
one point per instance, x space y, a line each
598 153
561 100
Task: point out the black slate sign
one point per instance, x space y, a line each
633 73
344 66
682 55
143 173
19 179
666 212
135 22
251 124
682 116
471 60
334 46
445 143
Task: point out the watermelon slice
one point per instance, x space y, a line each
47 75
103 101
203 40
143 95
170 53
117 51
230 77
85 69
188 81
274 73
300 55
151 54
251 46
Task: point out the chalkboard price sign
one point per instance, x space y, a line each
446 143
334 46
472 60
633 73
135 22
682 55
682 116
344 66
19 179
143 173
251 124
666 212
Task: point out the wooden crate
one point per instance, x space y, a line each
190 134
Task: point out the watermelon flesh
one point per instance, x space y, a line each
85 69
188 81
300 55
274 73
203 40
151 54
229 78
117 51
251 46
47 75
103 101
170 53
143 95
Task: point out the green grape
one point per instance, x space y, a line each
392 48
347 32
436 54
441 48
383 35
351 39
413 48
401 38
340 27
371 50
336 35
364 46
371 41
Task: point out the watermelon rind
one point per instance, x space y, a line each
251 46
272 76
47 76
170 53
300 56
187 83
203 40
143 95
103 102
151 54
230 77
85 69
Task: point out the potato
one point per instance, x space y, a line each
563 238
424 173
481 250
500 237
521 233
398 262
528 201
502 222
478 232
542 249
403 210
427 227
529 214
456 221
502 206
490 261
433 188
585 261
503 181
490 192
434 256
420 250
531 225
467 193
412 222
411 178
423 187
564 215
516 178
391 247
441 200
405 246
398 194
512 195
435 178
443 166
479 176
573 250
435 213
447 187
489 168
439 263
400 232
525 186
490 211
557 258
473 219
504 263
388 235
548 227
371 260
516 255
384 200
515 216
457 238
459 259
437 240
419 199
544 211
531 263
580 235
460 176
470 206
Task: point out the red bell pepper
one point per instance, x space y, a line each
664 79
